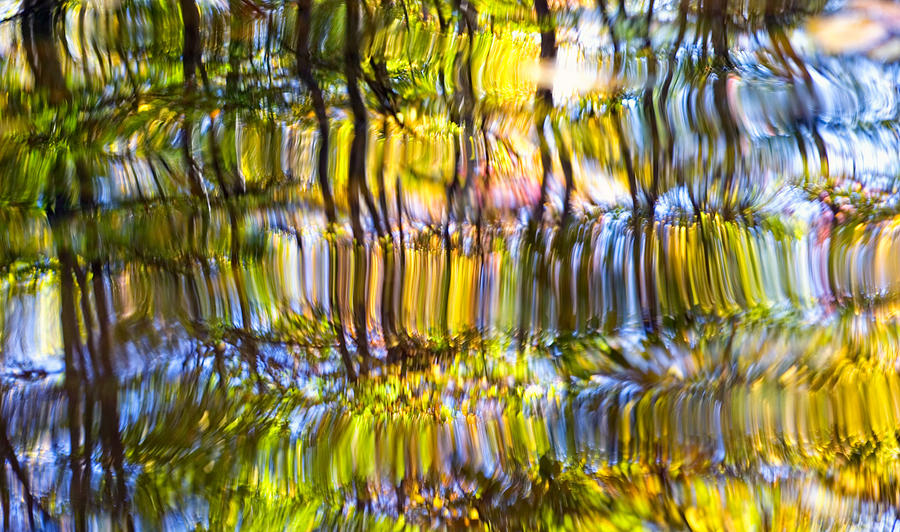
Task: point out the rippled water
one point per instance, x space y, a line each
345 264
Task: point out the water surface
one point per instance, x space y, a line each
350 264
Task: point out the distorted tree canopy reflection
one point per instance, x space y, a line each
373 263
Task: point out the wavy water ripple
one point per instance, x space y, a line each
331 265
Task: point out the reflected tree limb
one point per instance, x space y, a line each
304 69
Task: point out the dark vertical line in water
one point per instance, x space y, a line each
481 302
190 286
268 61
444 303
646 299
715 14
40 48
82 480
701 32
109 405
87 449
648 273
548 55
564 239
448 243
335 281
161 193
565 162
359 108
238 29
671 66
388 295
636 262
401 250
38 40
650 110
718 13
604 16
562 248
388 329
382 193
87 317
543 103
461 110
356 179
103 62
450 191
248 348
442 23
190 16
566 301
5 501
465 95
525 303
485 182
398 192
8 454
582 285
238 32
730 130
201 256
214 151
360 305
304 69
78 460
85 185
216 159
191 51
71 344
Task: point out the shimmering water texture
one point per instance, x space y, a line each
342 264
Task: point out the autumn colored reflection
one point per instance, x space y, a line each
367 264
